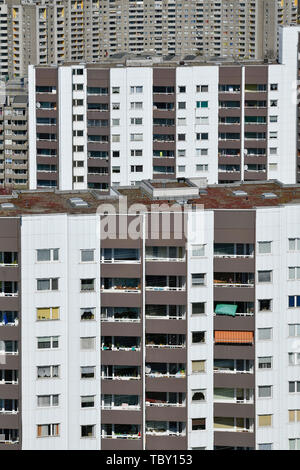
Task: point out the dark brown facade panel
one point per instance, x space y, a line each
121 417
166 326
166 355
122 387
121 444
121 300
121 329
235 439
228 410
9 391
121 270
239 323
165 298
230 75
166 443
171 413
256 74
234 352
234 380
165 76
232 294
127 358
164 384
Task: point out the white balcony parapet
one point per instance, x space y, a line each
166 288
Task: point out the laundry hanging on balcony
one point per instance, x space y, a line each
226 309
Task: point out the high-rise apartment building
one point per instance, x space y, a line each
92 126
57 31
147 325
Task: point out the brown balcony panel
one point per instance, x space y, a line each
253 143
98 178
166 443
122 387
9 421
121 270
121 329
121 417
164 114
9 303
9 333
233 351
238 380
256 96
103 130
47 176
255 160
166 384
227 96
122 358
235 128
51 113
121 444
9 273
10 446
234 439
238 410
122 243
9 391
12 361
98 114
231 294
255 176
98 99
47 97
161 268
230 112
47 144
256 111
168 176
234 265
229 144
229 161
169 413
256 127
47 160
166 297
165 326
99 162
238 323
166 355
98 146
161 161
164 146
228 175
164 98
113 299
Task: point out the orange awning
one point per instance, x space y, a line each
236 337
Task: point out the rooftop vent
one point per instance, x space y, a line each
7 205
78 202
239 193
269 196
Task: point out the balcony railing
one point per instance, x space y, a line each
121 436
122 407
165 288
162 259
164 404
164 433
120 377
232 284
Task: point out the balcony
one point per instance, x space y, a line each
120 314
165 370
120 343
233 250
8 406
165 283
8 289
120 402
165 341
163 399
120 255
120 431
121 285
234 279
9 347
8 258
165 428
8 377
120 372
234 395
9 436
165 253
165 312
233 424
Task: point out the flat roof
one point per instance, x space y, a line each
265 194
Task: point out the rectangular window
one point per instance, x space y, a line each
48 254
201 104
181 137
181 121
294 416
87 285
47 400
88 430
136 89
115 90
273 118
136 105
47 284
47 372
88 343
115 122
265 305
294 301
47 430
264 333
294 329
87 256
198 337
181 168
115 138
88 372
265 391
265 362
294 273
198 367
181 105
265 446
198 395
264 276
181 153
198 279
87 314
198 250
264 420
198 308
294 359
136 137
294 444
88 401
49 313
198 424
48 342
264 248
294 244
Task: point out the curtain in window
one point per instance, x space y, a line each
198 366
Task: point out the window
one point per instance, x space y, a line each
265 305
294 416
115 106
115 138
202 88
181 153
181 89
201 167
47 430
264 276
116 169
198 424
294 329
294 444
273 150
181 105
265 362
136 153
294 244
48 254
264 333
115 122
198 337
264 420
274 86
265 446
48 342
201 136
87 372
88 401
181 121
136 105
273 166
88 343
201 104
136 137
201 152
264 248
136 121
198 308
47 400
87 314
87 256
273 134
136 89
87 284
88 430
202 120
273 103
181 168
49 313
264 391
115 90
198 395
294 359
47 372
136 168
181 137
198 367
273 118
294 273
198 279
198 250
47 284
294 301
